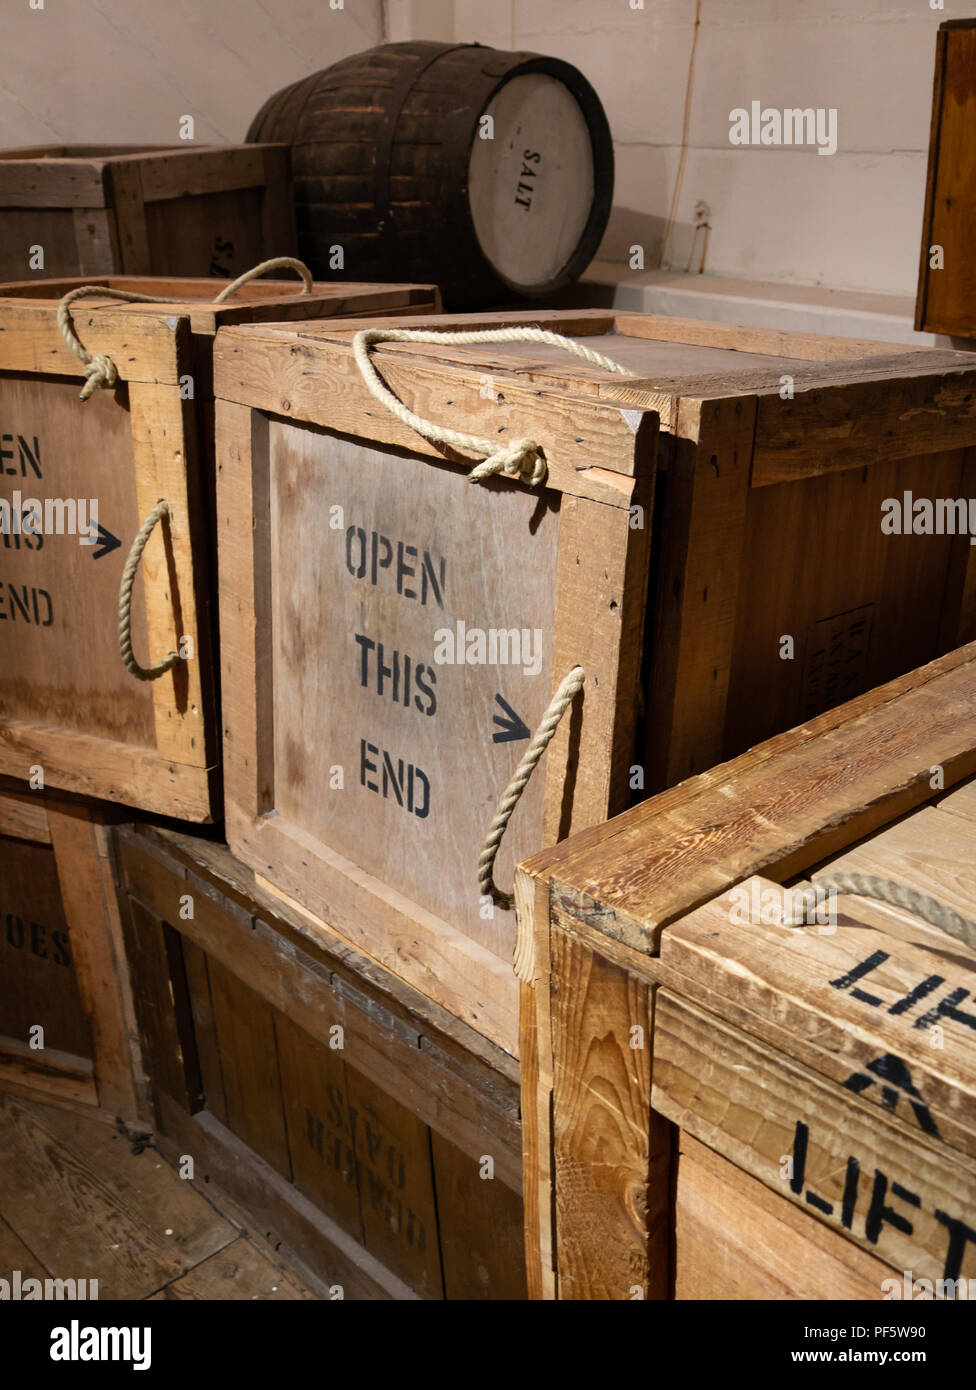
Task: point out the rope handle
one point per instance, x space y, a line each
569 688
141 673
886 890
100 371
522 457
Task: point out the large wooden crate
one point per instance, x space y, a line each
675 576
356 1122
129 210
946 301
67 703
62 958
832 1065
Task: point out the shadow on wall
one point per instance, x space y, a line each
630 229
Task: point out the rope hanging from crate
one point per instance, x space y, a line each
886 890
519 458
569 688
100 371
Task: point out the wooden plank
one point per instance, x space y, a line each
238 1272
38 970
947 297
24 817
50 1075
165 455
142 346
852 1002
187 173
63 1177
96 241
612 1224
532 965
278 1208
396 1184
600 603
698 575
735 1240
869 1177
778 809
27 182
204 1028
402 1051
576 433
91 912
127 199
14 1255
167 1044
320 1142
961 802
107 770
832 424
806 347
249 1066
480 1225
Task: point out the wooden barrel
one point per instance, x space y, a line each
394 161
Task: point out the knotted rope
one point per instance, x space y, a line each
100 371
141 673
569 688
521 457
885 890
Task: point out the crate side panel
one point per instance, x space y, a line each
383 564
38 984
60 661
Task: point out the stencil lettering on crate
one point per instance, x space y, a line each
413 627
930 1003
354 1143
872 1201
66 470
837 660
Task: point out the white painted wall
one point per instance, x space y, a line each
848 221
125 71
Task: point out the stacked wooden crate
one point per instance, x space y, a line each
819 1080
644 557
131 210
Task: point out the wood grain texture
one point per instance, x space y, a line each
149 1230
780 808
946 300
869 1177
611 1156
480 1228
735 1240
849 1000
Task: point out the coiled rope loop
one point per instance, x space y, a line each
886 890
141 673
569 688
100 371
519 458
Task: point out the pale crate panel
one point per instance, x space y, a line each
484 557
59 650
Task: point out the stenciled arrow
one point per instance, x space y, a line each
106 543
509 728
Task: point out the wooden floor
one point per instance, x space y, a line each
79 1200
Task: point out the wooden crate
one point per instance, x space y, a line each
946 301
834 1064
351 1118
130 210
649 567
67 703
62 960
